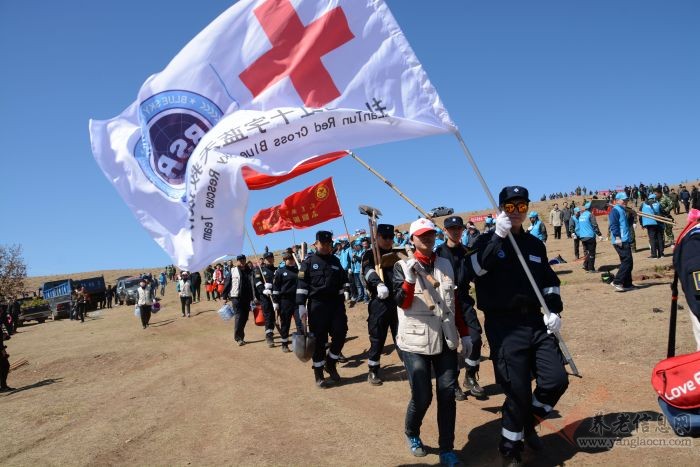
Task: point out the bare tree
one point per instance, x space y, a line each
13 271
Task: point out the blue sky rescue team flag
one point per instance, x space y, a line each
267 87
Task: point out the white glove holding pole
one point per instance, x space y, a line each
302 312
553 323
503 225
466 346
410 272
618 241
382 291
267 291
276 307
346 295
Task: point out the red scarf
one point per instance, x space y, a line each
693 217
427 260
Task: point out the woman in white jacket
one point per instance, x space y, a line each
185 287
144 301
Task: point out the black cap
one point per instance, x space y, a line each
269 254
511 192
385 230
240 257
454 221
324 236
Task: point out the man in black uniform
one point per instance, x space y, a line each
238 286
382 306
320 297
263 285
521 342
284 289
455 252
4 364
686 261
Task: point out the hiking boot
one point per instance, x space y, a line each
449 458
373 376
318 375
533 440
240 342
285 348
459 394
510 452
416 446
330 369
269 341
471 384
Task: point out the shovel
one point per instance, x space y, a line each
304 344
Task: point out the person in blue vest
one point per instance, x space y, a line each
654 230
439 238
356 267
586 230
573 224
343 253
621 238
537 229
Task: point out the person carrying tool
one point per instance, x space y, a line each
263 277
522 342
320 294
428 338
284 289
621 236
382 306
455 252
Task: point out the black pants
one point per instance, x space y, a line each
557 231
577 241
109 302
287 311
474 357
196 292
82 310
353 287
145 311
589 245
241 310
268 313
327 318
521 349
419 368
4 370
568 234
382 319
686 204
185 303
656 240
624 274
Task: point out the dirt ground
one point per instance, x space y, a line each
181 392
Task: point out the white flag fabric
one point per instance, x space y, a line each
269 84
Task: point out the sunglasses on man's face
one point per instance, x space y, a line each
510 208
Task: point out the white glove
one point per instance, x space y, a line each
410 273
618 241
574 236
600 238
382 291
503 225
347 296
276 306
466 346
268 286
553 323
267 292
302 312
635 226
350 270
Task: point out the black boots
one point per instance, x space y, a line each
472 385
268 339
318 375
373 376
330 369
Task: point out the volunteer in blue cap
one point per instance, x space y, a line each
321 287
537 228
654 229
573 225
586 231
621 236
356 266
521 340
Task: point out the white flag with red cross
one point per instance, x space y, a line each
266 90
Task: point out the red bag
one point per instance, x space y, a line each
677 380
220 288
210 288
258 314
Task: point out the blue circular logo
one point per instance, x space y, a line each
172 123
501 254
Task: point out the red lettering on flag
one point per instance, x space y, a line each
296 52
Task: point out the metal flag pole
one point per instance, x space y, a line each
562 344
390 185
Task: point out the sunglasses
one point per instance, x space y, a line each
510 208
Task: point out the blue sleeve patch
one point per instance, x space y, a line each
696 280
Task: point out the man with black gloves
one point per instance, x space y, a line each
382 306
284 289
321 288
455 252
263 285
521 341
239 288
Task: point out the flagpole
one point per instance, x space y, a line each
540 298
262 275
390 185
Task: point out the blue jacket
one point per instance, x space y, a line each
584 227
650 209
357 261
537 230
619 228
344 257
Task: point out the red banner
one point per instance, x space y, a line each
258 181
310 206
481 218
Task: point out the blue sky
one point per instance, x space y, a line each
547 94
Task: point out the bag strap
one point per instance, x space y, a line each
671 351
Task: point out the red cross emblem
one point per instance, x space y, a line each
296 52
